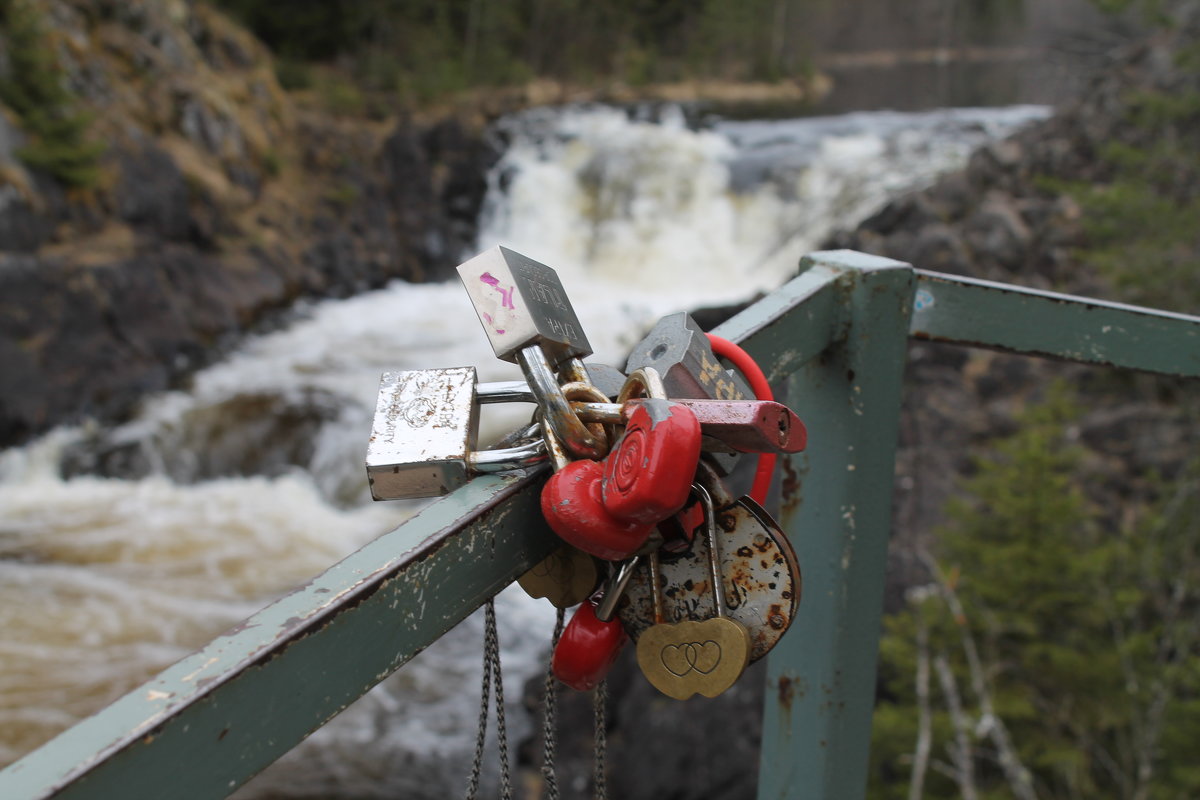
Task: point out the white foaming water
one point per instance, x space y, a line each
104 581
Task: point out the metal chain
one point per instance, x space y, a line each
550 714
599 769
491 664
491 644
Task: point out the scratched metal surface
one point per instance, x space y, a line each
949 308
761 575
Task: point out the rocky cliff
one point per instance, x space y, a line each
218 199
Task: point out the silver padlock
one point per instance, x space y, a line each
520 303
528 319
424 434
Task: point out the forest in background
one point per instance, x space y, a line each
422 51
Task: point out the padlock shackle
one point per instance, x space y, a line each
644 382
714 553
556 409
607 607
747 426
508 458
504 392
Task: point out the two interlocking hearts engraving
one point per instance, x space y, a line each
687 658
703 657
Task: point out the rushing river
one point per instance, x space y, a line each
122 550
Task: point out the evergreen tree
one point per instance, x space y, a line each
1054 655
33 88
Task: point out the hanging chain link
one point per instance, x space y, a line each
550 714
491 664
600 768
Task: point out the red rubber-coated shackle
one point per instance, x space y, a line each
648 475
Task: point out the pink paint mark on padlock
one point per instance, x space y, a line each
488 319
505 294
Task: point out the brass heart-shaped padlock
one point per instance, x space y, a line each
566 577
687 658
694 656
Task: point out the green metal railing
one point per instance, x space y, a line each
836 335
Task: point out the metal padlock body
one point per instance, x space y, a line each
423 435
574 509
678 349
520 303
746 426
648 475
426 421
761 577
587 648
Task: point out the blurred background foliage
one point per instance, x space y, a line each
426 49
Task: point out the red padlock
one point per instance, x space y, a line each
572 505
609 508
648 475
587 648
594 636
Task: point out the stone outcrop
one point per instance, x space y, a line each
222 201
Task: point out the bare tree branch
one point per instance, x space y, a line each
916 786
1018 776
962 752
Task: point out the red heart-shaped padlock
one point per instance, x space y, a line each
649 473
587 648
572 505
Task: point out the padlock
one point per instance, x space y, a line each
528 320
423 437
520 303
648 474
681 659
610 508
763 583
678 349
593 637
573 507
566 577
746 426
